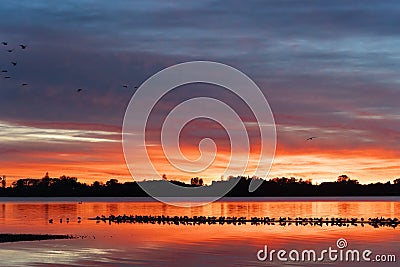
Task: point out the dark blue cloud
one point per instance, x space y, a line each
312 58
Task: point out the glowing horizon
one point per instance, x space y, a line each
96 155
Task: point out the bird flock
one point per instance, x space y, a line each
124 86
12 64
7 72
282 221
67 220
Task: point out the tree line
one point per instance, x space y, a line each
66 186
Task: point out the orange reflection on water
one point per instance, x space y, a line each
145 244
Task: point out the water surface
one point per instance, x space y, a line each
187 245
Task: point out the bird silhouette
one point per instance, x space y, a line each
7 77
4 43
14 63
79 90
136 87
23 46
24 84
4 71
125 86
10 50
311 138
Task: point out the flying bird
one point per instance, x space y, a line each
311 138
4 43
23 46
24 84
4 71
10 50
7 77
136 87
125 86
14 63
79 90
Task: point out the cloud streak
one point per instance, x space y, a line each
20 133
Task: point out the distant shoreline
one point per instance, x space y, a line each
238 187
199 199
6 238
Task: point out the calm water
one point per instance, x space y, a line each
188 245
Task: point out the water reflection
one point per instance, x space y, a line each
186 245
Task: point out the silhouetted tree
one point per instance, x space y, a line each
343 178
111 182
197 181
3 181
97 184
27 182
396 181
346 180
194 180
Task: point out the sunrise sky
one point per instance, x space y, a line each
328 69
